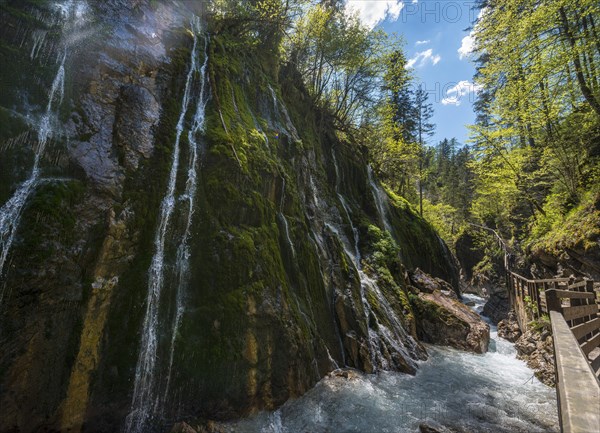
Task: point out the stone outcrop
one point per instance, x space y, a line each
429 284
442 319
509 328
497 306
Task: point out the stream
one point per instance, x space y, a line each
494 392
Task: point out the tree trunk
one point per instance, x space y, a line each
585 89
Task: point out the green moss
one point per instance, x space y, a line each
50 210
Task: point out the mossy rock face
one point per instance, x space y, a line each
291 273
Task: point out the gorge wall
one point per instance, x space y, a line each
198 241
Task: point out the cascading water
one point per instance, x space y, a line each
289 129
70 15
377 196
144 406
489 393
10 213
189 195
284 221
392 337
345 207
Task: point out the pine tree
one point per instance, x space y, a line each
424 129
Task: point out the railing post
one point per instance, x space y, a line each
552 301
538 301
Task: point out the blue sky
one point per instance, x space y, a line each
438 47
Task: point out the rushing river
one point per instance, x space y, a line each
494 393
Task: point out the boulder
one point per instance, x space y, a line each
509 328
443 320
424 282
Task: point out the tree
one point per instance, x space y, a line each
423 111
340 61
538 114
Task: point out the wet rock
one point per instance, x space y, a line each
429 428
497 306
536 348
443 320
183 427
345 373
509 328
424 282
137 114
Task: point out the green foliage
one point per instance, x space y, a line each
530 305
445 220
542 324
538 124
560 229
340 61
385 249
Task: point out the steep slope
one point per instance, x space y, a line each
199 241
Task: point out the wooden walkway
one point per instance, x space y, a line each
573 310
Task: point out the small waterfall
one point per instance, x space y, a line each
189 195
379 200
39 40
10 213
289 128
397 334
346 207
145 400
275 104
284 221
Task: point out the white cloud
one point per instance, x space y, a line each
372 12
468 42
422 58
456 93
422 42
467 46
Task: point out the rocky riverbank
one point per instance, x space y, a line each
535 347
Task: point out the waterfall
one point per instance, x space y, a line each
379 201
346 208
145 399
289 128
39 40
189 195
284 221
10 213
367 285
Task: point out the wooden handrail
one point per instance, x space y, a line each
573 309
577 388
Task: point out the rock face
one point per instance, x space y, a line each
536 348
290 274
498 305
509 328
442 319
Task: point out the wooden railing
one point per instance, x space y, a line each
573 310
577 302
